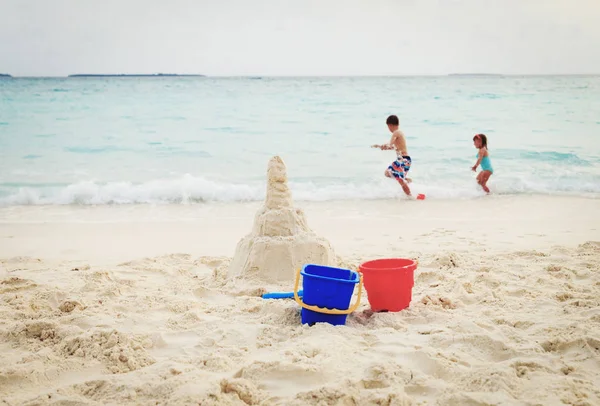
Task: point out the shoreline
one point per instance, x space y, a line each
383 227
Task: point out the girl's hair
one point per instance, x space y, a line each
483 139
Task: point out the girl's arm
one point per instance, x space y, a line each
478 160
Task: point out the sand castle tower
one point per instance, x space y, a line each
280 241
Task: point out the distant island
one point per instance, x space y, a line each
134 75
5 75
475 74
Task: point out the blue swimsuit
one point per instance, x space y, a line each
486 164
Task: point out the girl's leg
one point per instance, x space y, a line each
478 178
485 176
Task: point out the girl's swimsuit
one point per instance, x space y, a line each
486 164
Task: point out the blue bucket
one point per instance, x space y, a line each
327 288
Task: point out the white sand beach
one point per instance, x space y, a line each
133 305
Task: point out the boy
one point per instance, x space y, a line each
400 167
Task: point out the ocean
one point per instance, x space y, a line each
192 140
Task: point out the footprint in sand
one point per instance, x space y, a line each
443 302
524 368
213 297
69 305
278 376
15 284
578 348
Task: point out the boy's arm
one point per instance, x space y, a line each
478 160
390 145
383 146
387 146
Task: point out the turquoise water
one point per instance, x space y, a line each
180 140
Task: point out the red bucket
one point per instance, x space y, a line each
389 283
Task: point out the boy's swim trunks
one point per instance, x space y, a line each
400 167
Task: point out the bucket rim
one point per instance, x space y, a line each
365 265
355 280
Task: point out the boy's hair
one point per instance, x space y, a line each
393 120
483 139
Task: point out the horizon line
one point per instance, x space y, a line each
96 75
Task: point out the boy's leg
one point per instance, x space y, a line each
396 170
405 165
404 186
392 170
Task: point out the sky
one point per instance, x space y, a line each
299 37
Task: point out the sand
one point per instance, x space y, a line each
133 305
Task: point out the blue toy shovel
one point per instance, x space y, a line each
281 295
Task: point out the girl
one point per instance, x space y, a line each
483 158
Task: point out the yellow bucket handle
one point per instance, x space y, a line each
324 309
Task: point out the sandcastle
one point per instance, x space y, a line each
280 241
